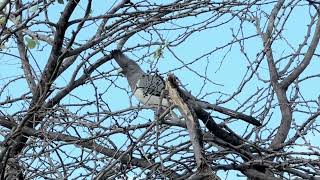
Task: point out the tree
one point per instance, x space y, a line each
67 113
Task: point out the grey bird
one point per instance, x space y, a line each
147 88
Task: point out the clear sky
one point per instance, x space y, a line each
225 67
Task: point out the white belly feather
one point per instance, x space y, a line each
150 100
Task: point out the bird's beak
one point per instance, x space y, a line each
120 70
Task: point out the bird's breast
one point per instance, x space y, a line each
150 100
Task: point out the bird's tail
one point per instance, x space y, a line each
237 115
231 113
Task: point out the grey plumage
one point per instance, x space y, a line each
147 88
151 84
130 69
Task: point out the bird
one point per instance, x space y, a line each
147 88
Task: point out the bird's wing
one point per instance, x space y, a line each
151 84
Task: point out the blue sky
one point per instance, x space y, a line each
226 67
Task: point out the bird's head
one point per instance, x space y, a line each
128 66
